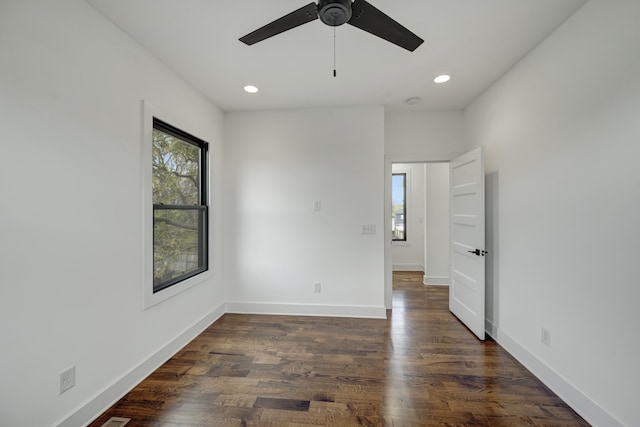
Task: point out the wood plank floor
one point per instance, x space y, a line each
420 367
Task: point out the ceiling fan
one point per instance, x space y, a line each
358 13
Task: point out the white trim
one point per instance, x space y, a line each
408 267
491 329
149 298
576 399
389 160
436 280
369 312
97 405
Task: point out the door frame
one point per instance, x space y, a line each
389 160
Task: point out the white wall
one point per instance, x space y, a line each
438 247
423 135
561 132
278 163
409 255
71 86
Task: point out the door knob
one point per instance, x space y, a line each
478 252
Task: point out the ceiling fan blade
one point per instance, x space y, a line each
296 18
368 18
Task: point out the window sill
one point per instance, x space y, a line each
151 299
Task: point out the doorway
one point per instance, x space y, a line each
418 226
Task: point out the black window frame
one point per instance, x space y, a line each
404 209
202 207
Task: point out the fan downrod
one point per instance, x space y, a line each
334 12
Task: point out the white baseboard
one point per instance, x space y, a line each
103 401
436 280
407 267
579 402
368 312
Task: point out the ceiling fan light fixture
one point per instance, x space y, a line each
442 79
250 89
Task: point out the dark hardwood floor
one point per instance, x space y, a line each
420 367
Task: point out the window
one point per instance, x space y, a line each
180 211
399 206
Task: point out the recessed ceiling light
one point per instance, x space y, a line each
413 101
250 89
442 79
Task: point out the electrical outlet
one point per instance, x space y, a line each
317 287
67 379
545 337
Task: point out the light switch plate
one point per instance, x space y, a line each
368 229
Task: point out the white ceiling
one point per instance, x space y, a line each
475 41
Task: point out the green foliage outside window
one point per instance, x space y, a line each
179 211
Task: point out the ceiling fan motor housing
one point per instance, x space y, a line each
334 12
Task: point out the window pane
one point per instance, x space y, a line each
398 206
176 171
178 249
179 205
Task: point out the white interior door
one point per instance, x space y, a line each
466 294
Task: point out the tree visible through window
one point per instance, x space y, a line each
399 206
179 206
